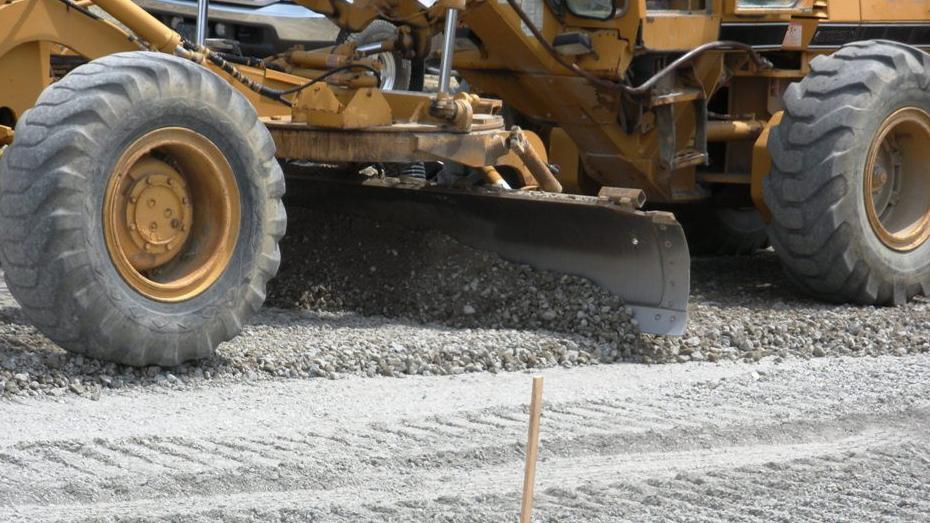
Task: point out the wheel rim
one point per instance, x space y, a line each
171 214
897 180
388 70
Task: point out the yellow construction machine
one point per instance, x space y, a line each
141 185
140 192
800 123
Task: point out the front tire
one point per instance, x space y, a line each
849 188
140 210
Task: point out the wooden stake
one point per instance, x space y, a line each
532 450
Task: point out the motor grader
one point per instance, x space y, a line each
804 123
141 185
140 193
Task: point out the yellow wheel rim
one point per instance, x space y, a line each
171 214
897 180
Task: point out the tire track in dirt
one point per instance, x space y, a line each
729 445
660 471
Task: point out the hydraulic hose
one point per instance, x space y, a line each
263 90
645 87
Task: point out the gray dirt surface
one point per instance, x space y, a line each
362 298
827 439
804 432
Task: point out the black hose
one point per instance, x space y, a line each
84 11
719 45
230 69
248 61
642 89
263 90
329 73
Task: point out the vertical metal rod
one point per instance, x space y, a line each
448 48
532 451
201 35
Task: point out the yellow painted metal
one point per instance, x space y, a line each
319 106
510 64
731 130
156 34
158 213
512 161
896 181
24 72
25 46
171 214
761 165
564 153
617 138
399 143
676 31
894 11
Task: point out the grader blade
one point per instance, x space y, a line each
640 256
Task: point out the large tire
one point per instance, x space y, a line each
53 181
834 119
724 231
397 74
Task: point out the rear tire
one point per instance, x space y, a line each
824 176
54 184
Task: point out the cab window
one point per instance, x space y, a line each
597 9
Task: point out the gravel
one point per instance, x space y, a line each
364 298
349 263
829 439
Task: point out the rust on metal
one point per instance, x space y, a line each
629 198
537 166
396 143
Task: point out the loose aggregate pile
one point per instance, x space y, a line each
360 297
355 264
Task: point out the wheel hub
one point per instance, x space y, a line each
879 178
171 214
897 181
158 213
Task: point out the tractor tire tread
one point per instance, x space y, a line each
45 256
814 225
